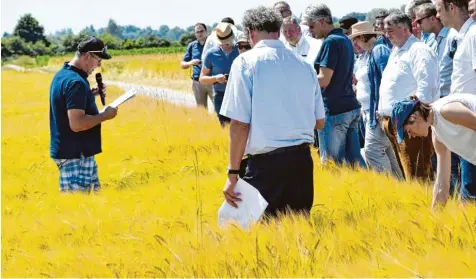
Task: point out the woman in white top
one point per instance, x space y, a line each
453 123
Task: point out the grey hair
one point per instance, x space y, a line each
426 10
315 12
412 5
281 3
399 18
262 19
292 19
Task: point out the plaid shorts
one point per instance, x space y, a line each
78 174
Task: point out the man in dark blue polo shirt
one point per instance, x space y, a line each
192 57
75 129
217 65
339 139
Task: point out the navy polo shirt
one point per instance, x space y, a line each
70 89
219 62
194 51
337 53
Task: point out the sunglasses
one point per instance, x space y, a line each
244 46
418 21
103 51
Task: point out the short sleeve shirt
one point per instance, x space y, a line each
337 54
219 62
194 51
70 89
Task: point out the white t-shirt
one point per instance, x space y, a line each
456 138
363 81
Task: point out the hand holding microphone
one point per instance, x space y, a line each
101 88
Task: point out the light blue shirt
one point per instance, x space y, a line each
277 93
430 40
445 62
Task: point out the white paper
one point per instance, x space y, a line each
123 98
249 210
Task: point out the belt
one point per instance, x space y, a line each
282 150
219 92
195 78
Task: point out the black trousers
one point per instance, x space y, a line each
284 179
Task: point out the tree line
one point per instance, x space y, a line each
28 37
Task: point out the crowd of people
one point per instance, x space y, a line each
403 89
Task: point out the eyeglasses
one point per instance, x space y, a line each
418 21
243 46
453 48
95 56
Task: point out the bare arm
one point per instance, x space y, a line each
205 77
441 187
238 137
459 114
80 121
320 124
325 76
185 64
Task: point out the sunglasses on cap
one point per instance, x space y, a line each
103 51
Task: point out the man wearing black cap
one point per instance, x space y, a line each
346 22
75 122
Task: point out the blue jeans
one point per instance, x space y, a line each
339 139
217 101
468 180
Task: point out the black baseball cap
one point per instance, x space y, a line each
347 21
94 45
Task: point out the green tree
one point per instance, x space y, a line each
15 46
70 42
175 33
29 29
111 41
186 38
113 28
163 30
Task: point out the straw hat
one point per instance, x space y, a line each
225 33
363 28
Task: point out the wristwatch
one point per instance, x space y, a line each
231 171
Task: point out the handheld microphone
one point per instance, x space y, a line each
100 88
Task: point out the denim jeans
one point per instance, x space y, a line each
339 139
468 180
217 101
379 153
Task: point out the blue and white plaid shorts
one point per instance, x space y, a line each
78 174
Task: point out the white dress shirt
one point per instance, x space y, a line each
307 47
277 93
411 70
463 79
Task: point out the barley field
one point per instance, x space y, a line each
162 172
162 70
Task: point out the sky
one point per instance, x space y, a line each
55 15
